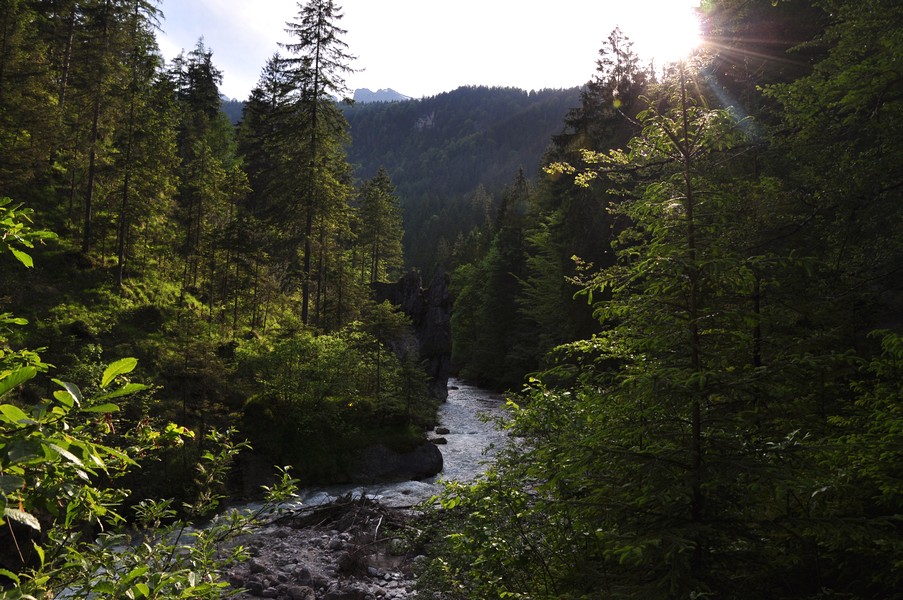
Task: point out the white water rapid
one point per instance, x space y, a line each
469 447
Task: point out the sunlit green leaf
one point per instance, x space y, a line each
39 551
13 414
68 388
5 573
135 573
22 257
16 378
66 454
125 390
102 408
120 367
143 589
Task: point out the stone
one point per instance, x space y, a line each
299 592
380 464
350 593
302 574
257 566
336 544
442 431
255 587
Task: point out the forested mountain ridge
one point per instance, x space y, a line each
450 143
441 150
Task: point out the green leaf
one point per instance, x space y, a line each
75 394
13 414
125 390
101 408
25 452
66 454
8 319
23 517
22 257
120 367
11 575
11 483
39 551
104 587
135 573
15 378
143 588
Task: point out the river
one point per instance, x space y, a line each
470 444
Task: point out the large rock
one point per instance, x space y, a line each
380 464
430 312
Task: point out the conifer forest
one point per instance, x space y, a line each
684 280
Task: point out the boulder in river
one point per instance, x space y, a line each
380 464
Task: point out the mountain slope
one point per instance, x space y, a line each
365 95
451 143
440 150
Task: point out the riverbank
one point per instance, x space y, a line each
350 549
350 542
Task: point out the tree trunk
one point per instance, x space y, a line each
92 173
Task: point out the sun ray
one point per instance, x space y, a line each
672 33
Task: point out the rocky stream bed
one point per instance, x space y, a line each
347 543
339 551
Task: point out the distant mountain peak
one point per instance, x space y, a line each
387 95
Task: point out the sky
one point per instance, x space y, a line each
425 47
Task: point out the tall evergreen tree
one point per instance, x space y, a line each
105 72
146 138
317 65
380 229
27 111
491 343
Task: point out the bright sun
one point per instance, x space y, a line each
668 32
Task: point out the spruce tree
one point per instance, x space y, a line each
317 64
380 230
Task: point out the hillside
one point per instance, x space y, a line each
455 141
440 150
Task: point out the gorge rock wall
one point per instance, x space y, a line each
430 312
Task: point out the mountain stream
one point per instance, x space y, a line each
471 443
330 547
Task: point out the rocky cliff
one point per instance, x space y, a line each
430 312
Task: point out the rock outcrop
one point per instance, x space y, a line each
430 312
380 464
